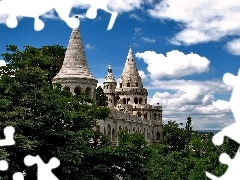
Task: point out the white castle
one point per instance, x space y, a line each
127 99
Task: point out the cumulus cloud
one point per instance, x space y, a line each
188 92
234 46
143 75
196 98
201 21
174 64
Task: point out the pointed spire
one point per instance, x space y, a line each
109 68
130 64
109 77
75 63
130 72
130 53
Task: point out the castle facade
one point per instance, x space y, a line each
127 98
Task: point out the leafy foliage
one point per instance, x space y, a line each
48 122
101 97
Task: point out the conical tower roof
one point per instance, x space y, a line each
130 71
130 64
75 64
109 77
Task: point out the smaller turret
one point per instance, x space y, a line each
109 87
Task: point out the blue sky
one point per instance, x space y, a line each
182 50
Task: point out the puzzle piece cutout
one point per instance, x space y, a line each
8 132
44 170
231 131
18 176
232 172
36 8
3 165
103 4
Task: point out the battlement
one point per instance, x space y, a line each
120 115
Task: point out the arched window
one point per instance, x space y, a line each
145 115
120 85
88 92
136 100
109 132
117 98
77 91
140 100
113 135
128 84
124 101
136 84
128 100
158 135
139 114
154 116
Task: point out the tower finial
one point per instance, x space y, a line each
110 68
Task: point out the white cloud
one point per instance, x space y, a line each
89 46
143 75
174 64
148 40
2 63
188 92
234 46
201 21
137 17
195 98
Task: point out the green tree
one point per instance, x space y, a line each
132 156
188 129
173 136
101 97
48 122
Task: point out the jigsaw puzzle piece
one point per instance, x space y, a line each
18 176
63 8
3 165
44 170
103 4
8 132
230 131
232 172
211 176
234 81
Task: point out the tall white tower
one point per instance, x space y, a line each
109 87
